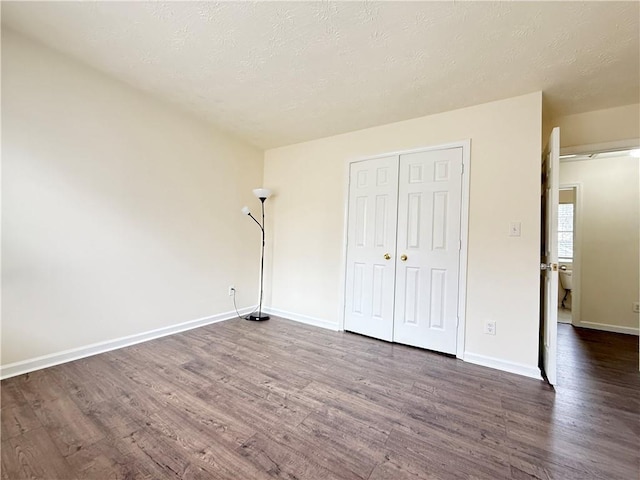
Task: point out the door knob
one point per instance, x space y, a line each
387 256
403 257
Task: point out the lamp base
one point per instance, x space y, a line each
258 318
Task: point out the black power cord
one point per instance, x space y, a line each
236 308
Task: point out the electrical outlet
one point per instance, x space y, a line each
490 328
636 307
232 290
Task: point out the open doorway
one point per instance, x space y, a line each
598 244
567 258
598 240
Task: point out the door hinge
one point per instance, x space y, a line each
459 245
462 169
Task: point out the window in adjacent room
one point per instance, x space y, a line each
565 232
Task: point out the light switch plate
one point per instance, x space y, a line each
514 229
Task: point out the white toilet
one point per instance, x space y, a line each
566 281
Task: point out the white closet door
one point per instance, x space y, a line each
371 247
426 303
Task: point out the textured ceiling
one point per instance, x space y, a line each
276 73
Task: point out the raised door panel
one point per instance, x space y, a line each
371 233
429 201
550 200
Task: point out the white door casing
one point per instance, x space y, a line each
550 192
371 237
428 249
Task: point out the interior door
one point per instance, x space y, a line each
371 247
427 267
549 260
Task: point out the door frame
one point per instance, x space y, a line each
577 249
464 231
627 144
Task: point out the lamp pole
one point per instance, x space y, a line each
262 194
260 317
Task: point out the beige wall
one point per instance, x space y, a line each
309 212
608 215
567 196
598 126
120 214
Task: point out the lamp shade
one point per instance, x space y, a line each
246 210
262 193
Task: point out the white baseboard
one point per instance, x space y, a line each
504 365
316 322
608 328
511 367
45 361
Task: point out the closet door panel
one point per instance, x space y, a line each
429 196
371 237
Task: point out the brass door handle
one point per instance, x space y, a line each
403 257
387 256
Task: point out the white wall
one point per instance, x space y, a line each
608 213
120 214
503 273
598 126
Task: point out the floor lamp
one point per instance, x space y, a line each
262 194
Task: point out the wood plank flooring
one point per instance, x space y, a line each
243 400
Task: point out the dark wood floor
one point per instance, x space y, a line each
243 400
